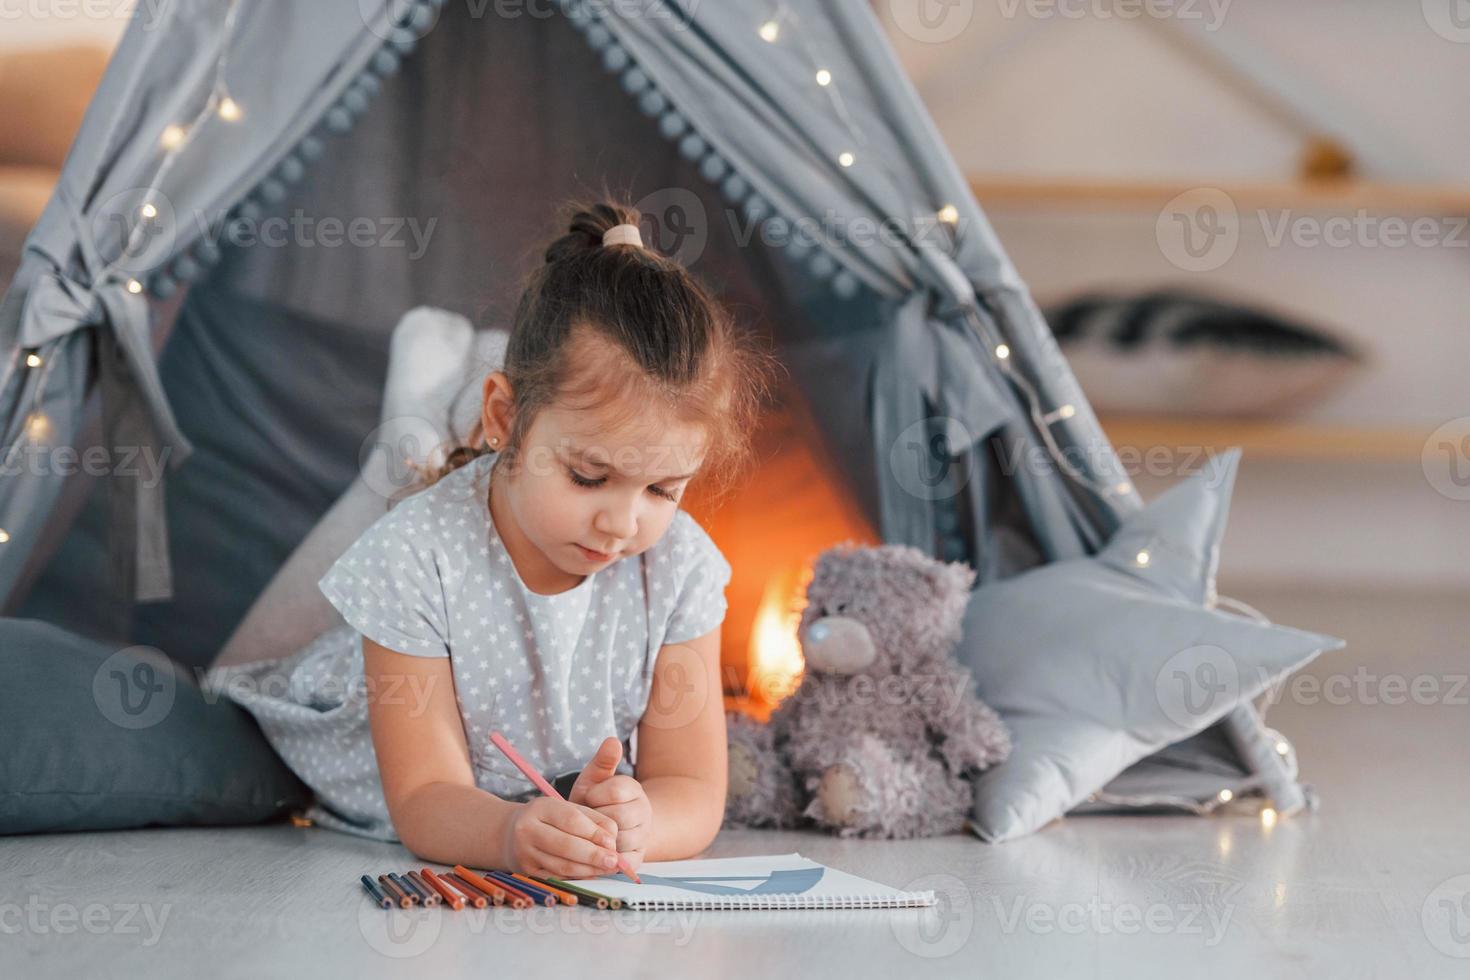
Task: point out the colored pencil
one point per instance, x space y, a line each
475 898
565 897
413 893
399 895
537 894
431 897
603 901
376 893
529 771
451 897
491 891
491 887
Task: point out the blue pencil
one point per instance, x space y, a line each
539 894
376 893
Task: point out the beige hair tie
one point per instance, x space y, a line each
623 235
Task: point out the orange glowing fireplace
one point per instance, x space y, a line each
788 509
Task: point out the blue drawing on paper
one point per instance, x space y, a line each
787 881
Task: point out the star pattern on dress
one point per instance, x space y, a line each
556 674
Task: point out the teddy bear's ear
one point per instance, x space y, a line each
951 578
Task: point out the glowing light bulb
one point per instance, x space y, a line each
949 214
1143 558
229 109
845 158
149 211
1282 747
824 77
134 286
1123 487
1226 796
38 427
1066 412
770 30
1268 817
34 360
1002 351
172 136
4 535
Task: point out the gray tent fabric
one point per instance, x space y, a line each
464 126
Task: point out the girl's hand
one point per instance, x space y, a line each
622 798
554 838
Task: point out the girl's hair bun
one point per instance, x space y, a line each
587 226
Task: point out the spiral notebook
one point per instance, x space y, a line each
771 881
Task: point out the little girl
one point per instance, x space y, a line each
545 584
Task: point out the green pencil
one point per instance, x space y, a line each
603 901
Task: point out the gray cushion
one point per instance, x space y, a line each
1096 663
100 738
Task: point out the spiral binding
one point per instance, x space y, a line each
783 901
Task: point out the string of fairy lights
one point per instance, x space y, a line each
173 140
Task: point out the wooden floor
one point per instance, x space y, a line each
1372 885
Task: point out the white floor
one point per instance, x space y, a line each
1373 885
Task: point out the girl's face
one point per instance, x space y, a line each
584 495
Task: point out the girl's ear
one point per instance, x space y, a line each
497 410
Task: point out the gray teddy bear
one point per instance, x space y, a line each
883 731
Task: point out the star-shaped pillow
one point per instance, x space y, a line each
1098 662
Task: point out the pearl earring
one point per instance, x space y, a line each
495 441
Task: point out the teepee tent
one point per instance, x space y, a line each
259 191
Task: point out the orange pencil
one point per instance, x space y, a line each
453 898
565 897
491 888
529 771
476 899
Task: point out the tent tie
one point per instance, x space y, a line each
136 415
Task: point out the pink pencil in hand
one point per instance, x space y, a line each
498 740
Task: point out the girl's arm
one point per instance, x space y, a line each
682 751
429 785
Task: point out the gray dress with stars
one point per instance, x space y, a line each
555 673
